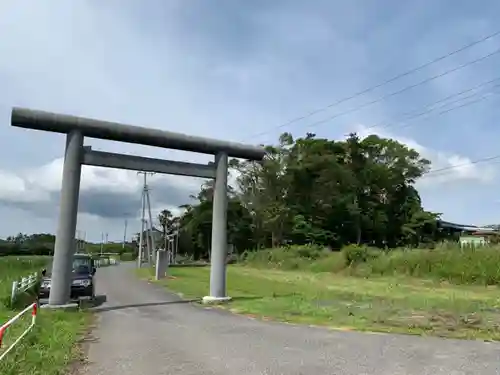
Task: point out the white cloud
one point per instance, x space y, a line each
47 178
445 166
15 188
37 187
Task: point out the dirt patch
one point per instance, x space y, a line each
443 323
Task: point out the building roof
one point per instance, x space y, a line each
463 227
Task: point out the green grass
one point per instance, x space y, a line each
447 262
52 345
384 304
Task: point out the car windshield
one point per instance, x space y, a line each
81 265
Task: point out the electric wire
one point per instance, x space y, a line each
392 79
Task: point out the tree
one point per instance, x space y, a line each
318 190
165 219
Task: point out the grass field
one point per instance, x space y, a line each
51 347
385 304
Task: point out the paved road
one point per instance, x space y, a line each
143 330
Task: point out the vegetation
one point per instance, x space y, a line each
12 269
447 263
43 244
340 231
50 347
317 191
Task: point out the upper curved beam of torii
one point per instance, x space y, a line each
113 131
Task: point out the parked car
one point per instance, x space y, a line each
82 280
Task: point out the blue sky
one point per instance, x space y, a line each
236 70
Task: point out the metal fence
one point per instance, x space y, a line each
4 328
23 285
104 262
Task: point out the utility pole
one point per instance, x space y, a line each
141 237
124 234
77 240
176 244
80 240
102 242
148 242
146 203
151 228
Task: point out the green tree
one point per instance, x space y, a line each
322 191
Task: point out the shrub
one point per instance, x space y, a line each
456 265
357 254
446 262
127 257
287 258
333 262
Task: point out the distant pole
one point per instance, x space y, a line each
141 234
148 244
151 228
146 204
80 241
102 242
176 244
124 234
77 240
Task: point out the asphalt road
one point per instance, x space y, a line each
143 330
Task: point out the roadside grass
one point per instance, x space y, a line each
446 262
397 304
52 346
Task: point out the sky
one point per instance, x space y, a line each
241 70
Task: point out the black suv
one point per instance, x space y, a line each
82 281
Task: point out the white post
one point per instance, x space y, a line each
14 291
176 251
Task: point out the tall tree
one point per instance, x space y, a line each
318 190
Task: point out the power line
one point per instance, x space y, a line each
394 93
390 80
463 105
432 106
437 172
404 89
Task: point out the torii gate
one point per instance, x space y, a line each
76 155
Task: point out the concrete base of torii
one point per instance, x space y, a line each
209 300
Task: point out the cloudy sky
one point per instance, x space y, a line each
239 70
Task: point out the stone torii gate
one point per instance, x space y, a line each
76 155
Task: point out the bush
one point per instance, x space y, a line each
287 258
357 254
447 262
333 262
126 257
456 265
